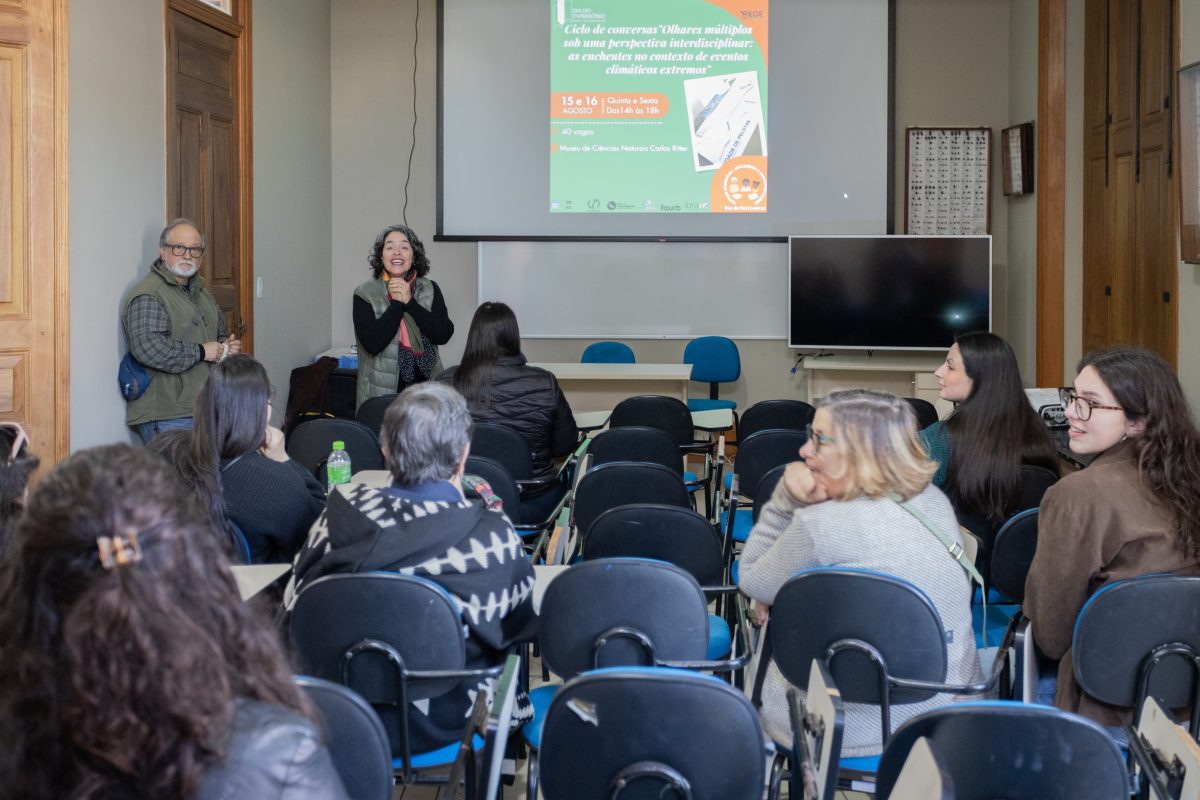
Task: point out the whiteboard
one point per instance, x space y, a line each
639 290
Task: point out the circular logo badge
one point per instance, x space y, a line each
745 185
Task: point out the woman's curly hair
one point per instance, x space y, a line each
419 261
121 682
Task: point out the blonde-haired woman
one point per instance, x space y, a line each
840 507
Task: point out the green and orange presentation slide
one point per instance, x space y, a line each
658 106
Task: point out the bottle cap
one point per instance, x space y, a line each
339 445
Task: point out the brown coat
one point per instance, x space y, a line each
1095 527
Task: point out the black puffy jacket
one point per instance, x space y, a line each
528 400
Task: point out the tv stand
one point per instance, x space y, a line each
902 374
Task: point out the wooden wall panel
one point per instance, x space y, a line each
14 169
14 384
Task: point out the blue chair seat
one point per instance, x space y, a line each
860 764
691 477
994 596
742 523
733 571
540 698
705 404
998 617
719 639
433 758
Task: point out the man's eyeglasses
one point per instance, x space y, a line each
180 249
817 439
19 439
1083 406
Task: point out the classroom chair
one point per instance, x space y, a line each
607 353
714 360
311 442
357 742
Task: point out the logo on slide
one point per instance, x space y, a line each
745 185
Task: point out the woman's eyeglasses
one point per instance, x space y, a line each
817 439
20 439
1083 406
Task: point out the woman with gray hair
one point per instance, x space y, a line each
426 527
841 507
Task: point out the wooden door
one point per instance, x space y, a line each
34 318
208 149
1129 262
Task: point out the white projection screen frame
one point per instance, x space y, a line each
658 275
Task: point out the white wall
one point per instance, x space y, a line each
118 191
952 65
292 185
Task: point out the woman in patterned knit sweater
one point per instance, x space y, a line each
836 509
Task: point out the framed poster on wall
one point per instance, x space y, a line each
1189 163
947 179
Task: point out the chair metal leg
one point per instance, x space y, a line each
776 776
531 787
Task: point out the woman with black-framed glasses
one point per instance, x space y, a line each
17 464
1134 511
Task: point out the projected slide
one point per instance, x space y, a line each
658 106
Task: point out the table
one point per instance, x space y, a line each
714 420
595 387
253 578
902 374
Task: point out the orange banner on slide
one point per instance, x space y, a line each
752 14
608 105
739 186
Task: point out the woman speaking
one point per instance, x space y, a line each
400 317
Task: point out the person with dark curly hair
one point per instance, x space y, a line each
17 465
1135 510
400 317
129 666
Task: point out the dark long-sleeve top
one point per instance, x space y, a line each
273 502
376 333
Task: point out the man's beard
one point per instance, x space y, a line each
183 269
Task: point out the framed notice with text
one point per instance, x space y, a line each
947 181
1016 159
1189 163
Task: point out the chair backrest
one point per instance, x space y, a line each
357 741
714 359
821 606
504 445
500 480
648 728
1012 553
677 535
764 490
762 452
773 415
925 411
607 353
636 443
668 414
370 631
622 483
1035 481
312 440
371 412
1012 750
1119 628
652 601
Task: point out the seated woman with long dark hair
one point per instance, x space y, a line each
501 387
1135 510
992 432
129 666
236 463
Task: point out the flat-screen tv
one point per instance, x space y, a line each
887 292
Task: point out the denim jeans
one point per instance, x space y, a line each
148 430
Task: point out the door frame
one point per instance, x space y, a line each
236 25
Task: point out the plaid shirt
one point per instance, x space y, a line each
148 328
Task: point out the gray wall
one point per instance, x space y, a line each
118 187
292 179
952 65
118 190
